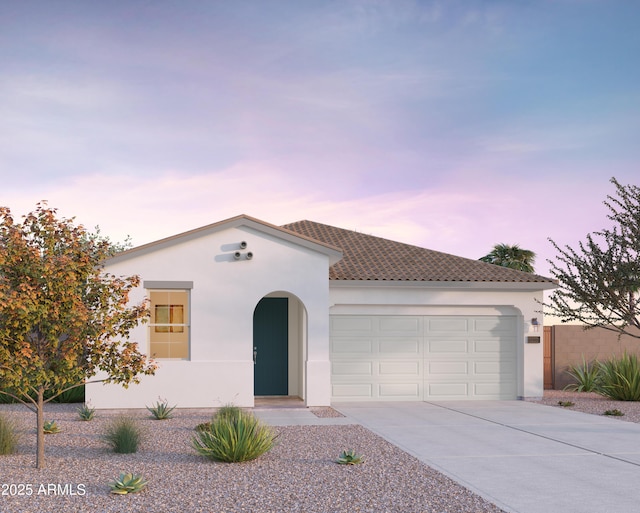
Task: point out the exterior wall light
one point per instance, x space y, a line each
535 324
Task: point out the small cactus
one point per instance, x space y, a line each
127 483
349 458
614 413
50 427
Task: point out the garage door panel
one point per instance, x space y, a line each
459 390
495 346
448 368
399 325
399 347
400 369
492 390
502 369
447 346
350 345
407 391
447 324
501 346
349 324
352 367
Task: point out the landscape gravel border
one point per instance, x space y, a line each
299 475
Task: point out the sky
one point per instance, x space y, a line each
452 125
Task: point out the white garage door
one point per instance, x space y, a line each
408 357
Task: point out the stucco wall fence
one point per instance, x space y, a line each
570 343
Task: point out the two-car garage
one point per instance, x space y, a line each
423 357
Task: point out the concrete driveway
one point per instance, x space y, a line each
523 457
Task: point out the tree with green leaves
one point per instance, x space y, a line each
62 319
513 257
600 281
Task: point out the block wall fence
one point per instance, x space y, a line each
569 343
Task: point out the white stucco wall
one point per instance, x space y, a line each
223 298
455 299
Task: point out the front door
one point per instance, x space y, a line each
271 346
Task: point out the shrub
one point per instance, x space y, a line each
8 436
241 437
614 413
620 378
161 410
587 376
123 435
228 411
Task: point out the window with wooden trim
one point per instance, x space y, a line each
169 324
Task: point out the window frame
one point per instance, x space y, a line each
170 328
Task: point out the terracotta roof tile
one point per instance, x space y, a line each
373 258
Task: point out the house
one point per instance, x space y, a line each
243 308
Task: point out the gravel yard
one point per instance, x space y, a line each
592 403
298 475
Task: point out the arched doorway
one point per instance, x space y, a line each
279 345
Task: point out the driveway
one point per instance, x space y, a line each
523 457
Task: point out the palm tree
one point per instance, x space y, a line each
512 257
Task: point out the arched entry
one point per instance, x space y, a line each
279 341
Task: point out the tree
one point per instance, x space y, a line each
62 320
600 282
512 257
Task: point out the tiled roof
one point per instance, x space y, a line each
366 257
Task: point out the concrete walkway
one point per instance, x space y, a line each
523 457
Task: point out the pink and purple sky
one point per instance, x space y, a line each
452 125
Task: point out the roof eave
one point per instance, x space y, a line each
474 285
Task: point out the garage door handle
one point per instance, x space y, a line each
255 355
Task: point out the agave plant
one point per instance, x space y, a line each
161 410
349 458
127 483
86 412
50 427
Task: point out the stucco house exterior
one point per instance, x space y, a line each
243 308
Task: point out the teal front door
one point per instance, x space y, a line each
271 346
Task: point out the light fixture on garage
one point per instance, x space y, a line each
535 323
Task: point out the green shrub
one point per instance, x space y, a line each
8 436
204 426
73 395
161 410
587 377
228 411
241 437
620 378
614 413
123 435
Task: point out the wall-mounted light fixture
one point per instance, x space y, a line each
535 324
237 255
249 255
243 244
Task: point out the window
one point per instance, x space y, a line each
169 326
